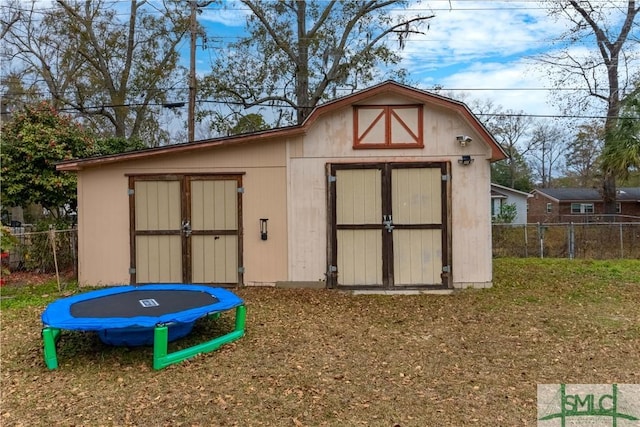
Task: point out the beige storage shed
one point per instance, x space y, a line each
384 189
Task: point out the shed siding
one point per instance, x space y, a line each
307 187
285 181
471 224
332 142
103 227
104 205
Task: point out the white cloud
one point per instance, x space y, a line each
513 86
484 45
230 14
481 47
478 29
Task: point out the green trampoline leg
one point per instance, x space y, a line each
241 318
50 337
162 358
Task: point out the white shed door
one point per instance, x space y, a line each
186 229
389 226
417 226
214 231
158 235
358 213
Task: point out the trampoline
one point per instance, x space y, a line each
143 315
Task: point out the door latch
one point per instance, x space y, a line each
388 222
186 228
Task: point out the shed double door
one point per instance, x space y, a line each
389 226
186 229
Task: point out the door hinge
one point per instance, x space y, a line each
446 177
241 190
331 178
446 269
132 270
131 192
241 270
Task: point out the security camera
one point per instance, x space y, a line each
463 140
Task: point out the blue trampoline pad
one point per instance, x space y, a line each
142 315
137 306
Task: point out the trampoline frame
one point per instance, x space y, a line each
161 356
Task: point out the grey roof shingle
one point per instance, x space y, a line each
589 194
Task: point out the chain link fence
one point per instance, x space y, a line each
56 251
49 251
568 240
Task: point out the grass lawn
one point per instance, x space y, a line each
322 357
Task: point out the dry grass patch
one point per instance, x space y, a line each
313 358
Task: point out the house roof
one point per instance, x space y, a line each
587 194
389 87
498 190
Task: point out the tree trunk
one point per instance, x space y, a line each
609 192
302 66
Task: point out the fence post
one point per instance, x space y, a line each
73 241
621 243
541 238
572 241
526 242
52 239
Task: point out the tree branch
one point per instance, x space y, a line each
332 73
6 26
258 12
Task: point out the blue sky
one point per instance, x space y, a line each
481 48
474 50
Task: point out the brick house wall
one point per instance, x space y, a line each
538 211
545 209
630 208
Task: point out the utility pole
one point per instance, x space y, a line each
193 27
194 6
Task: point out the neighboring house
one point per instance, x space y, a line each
382 189
501 196
581 205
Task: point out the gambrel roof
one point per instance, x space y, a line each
389 87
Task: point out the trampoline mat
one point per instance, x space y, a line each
153 303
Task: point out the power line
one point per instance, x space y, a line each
178 104
557 116
435 89
448 7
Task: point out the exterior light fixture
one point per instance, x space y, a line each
465 160
463 140
263 228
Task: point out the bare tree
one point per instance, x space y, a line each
582 155
605 72
298 53
47 62
548 146
512 129
8 21
110 71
